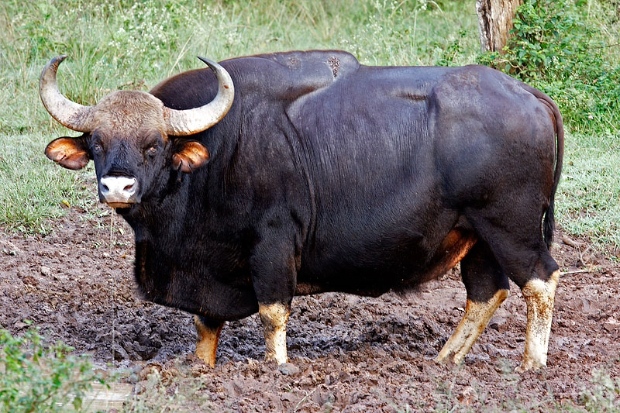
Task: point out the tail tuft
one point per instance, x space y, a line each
549 225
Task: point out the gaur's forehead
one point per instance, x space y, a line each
124 113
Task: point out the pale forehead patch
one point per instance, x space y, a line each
122 113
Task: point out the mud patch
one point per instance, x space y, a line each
346 352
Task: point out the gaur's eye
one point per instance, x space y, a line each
151 150
97 148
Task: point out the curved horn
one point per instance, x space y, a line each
190 121
70 114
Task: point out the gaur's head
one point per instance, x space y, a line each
130 135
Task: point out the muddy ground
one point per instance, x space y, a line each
347 353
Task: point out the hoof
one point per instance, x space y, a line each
529 365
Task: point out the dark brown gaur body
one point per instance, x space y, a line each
296 173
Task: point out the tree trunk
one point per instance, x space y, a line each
495 21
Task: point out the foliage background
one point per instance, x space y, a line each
567 48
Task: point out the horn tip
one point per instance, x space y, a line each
59 58
53 64
209 62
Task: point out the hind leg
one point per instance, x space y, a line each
487 287
539 297
536 273
518 246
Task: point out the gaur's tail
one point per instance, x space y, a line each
548 220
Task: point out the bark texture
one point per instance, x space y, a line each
495 21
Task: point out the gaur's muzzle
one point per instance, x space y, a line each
118 191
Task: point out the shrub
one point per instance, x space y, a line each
559 47
35 377
604 395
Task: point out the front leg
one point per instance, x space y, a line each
274 318
274 276
208 335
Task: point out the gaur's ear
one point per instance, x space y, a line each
190 156
68 152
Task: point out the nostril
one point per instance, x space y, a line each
130 187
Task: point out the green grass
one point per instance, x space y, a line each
588 202
118 44
33 191
114 44
121 44
38 377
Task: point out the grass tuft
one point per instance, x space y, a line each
38 377
33 190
